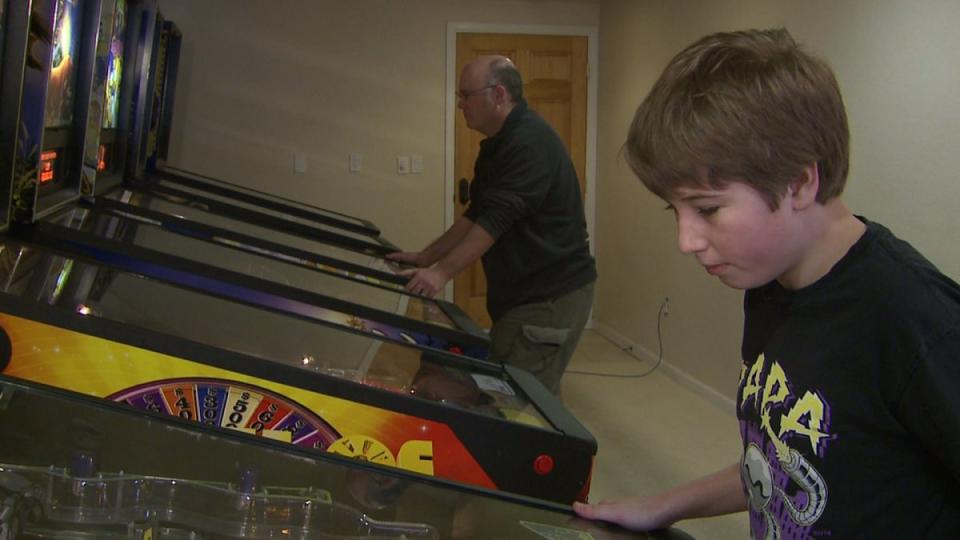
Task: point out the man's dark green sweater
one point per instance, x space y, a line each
526 195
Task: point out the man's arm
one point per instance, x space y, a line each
712 495
437 249
429 281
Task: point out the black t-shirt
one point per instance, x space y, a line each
526 195
849 399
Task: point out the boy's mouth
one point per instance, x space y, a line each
714 269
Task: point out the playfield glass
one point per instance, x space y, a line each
343 345
199 193
105 472
212 184
331 282
196 212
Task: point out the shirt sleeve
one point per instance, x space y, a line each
521 179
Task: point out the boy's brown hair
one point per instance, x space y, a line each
746 106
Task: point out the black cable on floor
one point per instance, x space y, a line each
629 350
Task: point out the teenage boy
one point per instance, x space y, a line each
849 396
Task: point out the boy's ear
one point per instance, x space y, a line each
804 188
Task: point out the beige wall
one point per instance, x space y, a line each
262 80
896 63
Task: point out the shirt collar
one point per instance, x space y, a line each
516 112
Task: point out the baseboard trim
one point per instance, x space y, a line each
680 376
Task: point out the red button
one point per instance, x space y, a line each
543 465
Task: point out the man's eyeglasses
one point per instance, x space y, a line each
464 94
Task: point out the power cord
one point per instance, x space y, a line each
629 350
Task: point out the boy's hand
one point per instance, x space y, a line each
636 513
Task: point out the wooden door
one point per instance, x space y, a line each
554 71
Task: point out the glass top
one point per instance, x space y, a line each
268 211
347 347
109 472
252 261
183 208
254 193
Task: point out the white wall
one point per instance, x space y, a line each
896 63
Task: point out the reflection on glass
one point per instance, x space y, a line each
428 311
109 473
376 264
110 501
279 269
198 212
269 196
127 298
268 211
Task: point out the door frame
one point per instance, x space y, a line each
590 164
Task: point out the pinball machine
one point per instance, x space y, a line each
76 467
74 324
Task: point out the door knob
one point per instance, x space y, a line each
464 191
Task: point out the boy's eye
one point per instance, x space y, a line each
708 210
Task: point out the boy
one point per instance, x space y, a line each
849 397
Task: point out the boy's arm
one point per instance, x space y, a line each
437 249
712 495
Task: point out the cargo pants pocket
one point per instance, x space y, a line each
538 351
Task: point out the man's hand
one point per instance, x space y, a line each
406 257
425 281
433 272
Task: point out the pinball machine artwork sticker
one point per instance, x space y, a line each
148 380
232 405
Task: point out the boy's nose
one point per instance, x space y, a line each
689 237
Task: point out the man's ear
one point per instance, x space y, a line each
500 94
804 187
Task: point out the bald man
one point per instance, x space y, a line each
525 220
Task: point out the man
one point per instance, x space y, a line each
525 220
